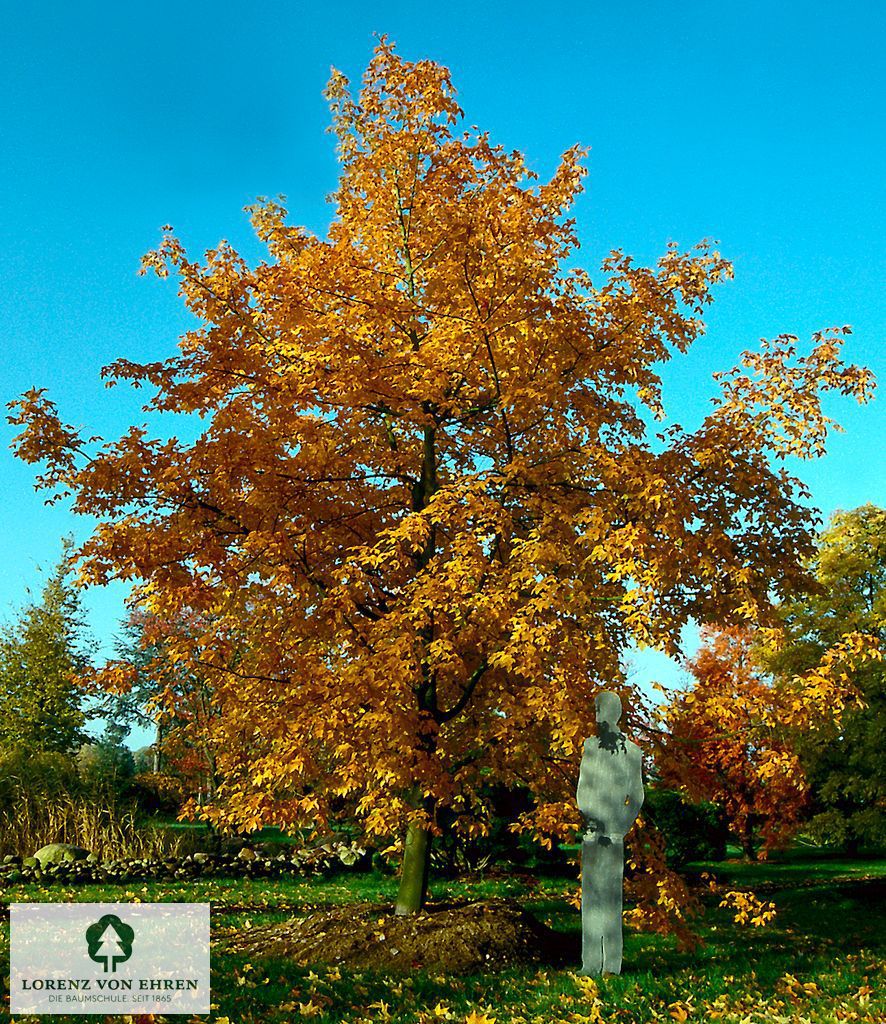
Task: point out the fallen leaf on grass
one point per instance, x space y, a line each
680 1011
479 1018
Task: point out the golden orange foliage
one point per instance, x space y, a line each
425 515
663 902
749 909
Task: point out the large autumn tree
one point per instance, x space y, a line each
426 513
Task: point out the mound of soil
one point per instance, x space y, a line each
451 938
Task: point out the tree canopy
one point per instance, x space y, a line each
427 513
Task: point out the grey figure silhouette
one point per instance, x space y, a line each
610 795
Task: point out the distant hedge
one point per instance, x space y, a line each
691 831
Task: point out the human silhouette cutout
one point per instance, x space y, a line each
610 795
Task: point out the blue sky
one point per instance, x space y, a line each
758 124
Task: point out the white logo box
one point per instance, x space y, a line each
110 958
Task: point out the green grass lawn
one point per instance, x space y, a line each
821 960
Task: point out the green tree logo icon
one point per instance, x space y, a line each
109 941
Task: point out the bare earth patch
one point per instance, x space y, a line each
452 938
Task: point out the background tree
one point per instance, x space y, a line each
107 763
42 656
150 683
425 517
133 700
727 741
844 760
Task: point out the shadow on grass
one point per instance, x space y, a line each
813 926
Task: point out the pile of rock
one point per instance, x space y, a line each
65 864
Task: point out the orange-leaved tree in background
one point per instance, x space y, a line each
425 516
734 737
727 740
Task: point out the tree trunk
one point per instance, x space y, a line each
747 843
417 848
156 758
414 870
